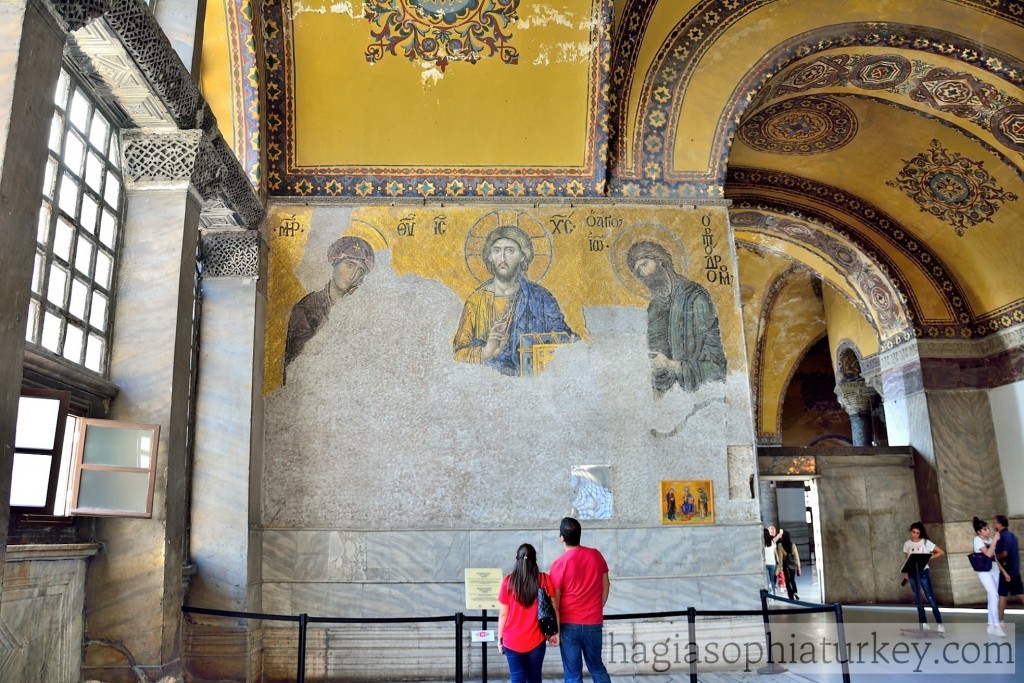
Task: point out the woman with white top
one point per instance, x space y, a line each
985 543
919 543
769 561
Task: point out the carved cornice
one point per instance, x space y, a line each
122 50
230 253
101 57
78 13
1003 340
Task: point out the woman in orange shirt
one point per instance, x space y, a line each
519 636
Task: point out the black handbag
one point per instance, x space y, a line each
546 617
980 562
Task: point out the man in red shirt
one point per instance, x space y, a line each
581 582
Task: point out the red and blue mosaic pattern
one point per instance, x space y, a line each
243 27
951 187
651 172
441 31
882 302
802 193
745 182
938 89
286 178
802 125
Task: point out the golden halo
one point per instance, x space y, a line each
645 232
368 232
539 236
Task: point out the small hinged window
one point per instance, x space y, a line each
115 468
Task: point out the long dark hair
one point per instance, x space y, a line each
767 539
525 578
979 524
920 529
786 542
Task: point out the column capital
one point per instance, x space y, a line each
165 157
230 253
855 397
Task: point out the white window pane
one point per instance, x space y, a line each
89 210
83 254
108 229
56 132
37 274
107 490
103 268
68 198
37 422
80 109
60 95
98 131
94 172
55 289
94 353
114 154
112 192
48 176
98 312
51 332
43 229
79 293
30 324
63 233
74 338
74 152
29 478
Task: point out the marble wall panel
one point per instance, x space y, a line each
42 613
1008 419
314 555
966 455
864 515
420 555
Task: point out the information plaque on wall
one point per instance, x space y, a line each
482 586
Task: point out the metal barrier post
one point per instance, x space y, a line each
691 622
844 659
771 667
459 620
483 650
303 622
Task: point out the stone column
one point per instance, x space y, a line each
31 44
855 398
229 441
134 596
949 424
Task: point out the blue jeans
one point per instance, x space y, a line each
579 642
524 667
773 581
926 585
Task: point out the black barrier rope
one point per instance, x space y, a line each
691 614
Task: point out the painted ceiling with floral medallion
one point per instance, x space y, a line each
872 143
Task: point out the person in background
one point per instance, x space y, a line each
769 561
519 636
582 585
1008 555
787 556
919 543
985 543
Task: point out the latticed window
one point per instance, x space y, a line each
79 232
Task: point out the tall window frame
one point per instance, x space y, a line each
79 231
